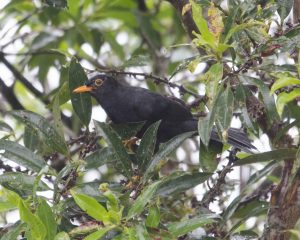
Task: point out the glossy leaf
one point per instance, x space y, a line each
46 215
100 157
285 7
81 102
51 137
31 138
57 3
147 146
145 197
6 206
224 110
284 81
205 125
38 229
62 236
284 98
91 206
268 100
5 127
163 152
21 181
57 116
181 181
21 155
254 212
99 233
153 217
14 231
207 156
127 130
186 226
202 24
279 154
114 141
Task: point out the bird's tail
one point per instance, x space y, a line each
236 137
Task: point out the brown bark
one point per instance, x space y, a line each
187 18
296 11
284 210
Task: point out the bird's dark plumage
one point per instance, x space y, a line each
125 104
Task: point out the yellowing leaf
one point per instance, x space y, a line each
215 19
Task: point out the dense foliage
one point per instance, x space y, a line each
65 175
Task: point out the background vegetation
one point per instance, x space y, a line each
65 176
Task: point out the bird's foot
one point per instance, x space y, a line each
130 143
232 154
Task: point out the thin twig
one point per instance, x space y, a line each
215 190
181 88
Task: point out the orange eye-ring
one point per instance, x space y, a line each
98 82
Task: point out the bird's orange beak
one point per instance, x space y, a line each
82 89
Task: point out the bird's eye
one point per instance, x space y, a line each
98 82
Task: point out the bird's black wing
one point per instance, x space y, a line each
153 107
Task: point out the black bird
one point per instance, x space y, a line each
126 104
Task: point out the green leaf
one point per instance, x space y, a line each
127 130
279 154
57 116
185 63
62 236
81 102
262 208
181 181
186 226
202 25
205 125
21 181
100 157
98 234
147 146
114 141
284 98
21 155
268 100
52 138
46 215
284 8
207 156
91 206
153 217
144 198
240 27
137 60
225 109
31 138
113 202
6 206
5 127
38 229
14 232
142 233
57 3
284 81
164 151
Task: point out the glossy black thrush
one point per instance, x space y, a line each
126 104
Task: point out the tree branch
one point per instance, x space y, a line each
187 18
181 88
284 210
10 96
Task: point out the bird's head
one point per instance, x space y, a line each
97 84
